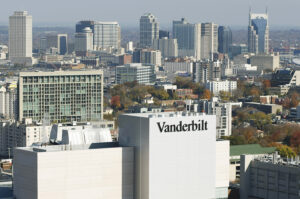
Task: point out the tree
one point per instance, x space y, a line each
115 102
286 151
225 95
267 83
206 94
294 100
295 139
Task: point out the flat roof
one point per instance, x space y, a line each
165 114
57 148
61 73
237 150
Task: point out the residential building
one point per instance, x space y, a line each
9 101
258 33
188 37
209 40
149 30
20 38
269 177
216 86
167 47
61 95
84 42
223 112
224 39
206 70
107 35
142 73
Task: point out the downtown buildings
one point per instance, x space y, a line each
20 38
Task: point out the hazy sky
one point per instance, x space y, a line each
127 12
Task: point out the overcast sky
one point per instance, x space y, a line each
127 12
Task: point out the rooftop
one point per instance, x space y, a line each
238 150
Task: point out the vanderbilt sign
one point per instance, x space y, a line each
200 125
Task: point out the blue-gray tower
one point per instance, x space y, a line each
258 33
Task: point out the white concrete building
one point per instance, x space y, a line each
9 101
167 47
81 171
216 86
149 56
171 149
209 40
173 67
20 38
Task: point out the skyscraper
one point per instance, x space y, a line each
20 38
188 37
258 33
83 24
224 39
83 42
107 35
149 30
209 40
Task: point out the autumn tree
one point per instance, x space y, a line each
286 151
115 102
206 94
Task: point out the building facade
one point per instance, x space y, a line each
59 41
61 95
143 74
216 86
224 39
209 40
20 38
167 47
170 153
84 42
149 30
188 37
107 35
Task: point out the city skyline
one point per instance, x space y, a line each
203 11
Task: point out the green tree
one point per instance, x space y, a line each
286 151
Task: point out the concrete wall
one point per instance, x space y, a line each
92 173
171 164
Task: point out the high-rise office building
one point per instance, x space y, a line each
107 35
209 40
58 41
258 33
224 39
61 95
188 37
164 33
84 42
168 47
20 38
149 30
